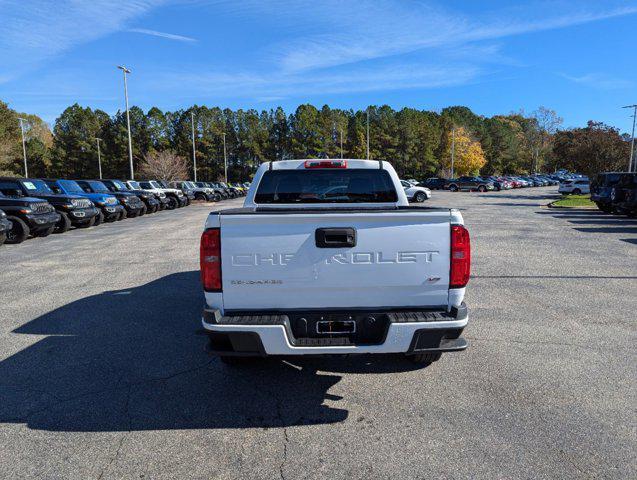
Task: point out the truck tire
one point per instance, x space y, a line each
99 218
420 197
88 224
172 203
201 197
143 211
44 233
122 215
482 188
453 188
19 231
577 191
425 358
64 223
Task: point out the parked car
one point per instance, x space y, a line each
470 184
624 195
108 206
188 194
203 194
224 192
234 193
415 193
78 211
576 187
434 183
28 216
601 188
151 201
387 277
164 201
175 197
133 206
5 226
216 194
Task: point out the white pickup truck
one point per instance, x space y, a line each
328 257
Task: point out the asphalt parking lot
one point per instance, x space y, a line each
103 375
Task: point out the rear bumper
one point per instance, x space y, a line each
263 335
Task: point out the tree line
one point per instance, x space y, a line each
419 143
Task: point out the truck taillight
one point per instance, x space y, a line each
460 257
210 260
326 164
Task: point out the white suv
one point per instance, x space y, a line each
576 186
415 193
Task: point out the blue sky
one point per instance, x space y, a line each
577 57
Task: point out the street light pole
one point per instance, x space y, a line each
194 155
24 146
453 149
130 142
632 141
99 157
367 133
225 158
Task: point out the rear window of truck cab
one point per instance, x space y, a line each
326 186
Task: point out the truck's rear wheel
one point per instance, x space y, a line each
19 231
425 358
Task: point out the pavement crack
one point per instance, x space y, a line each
286 439
123 437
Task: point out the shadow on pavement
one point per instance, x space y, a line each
548 196
131 360
622 229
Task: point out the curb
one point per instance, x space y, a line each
552 205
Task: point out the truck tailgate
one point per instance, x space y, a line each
272 261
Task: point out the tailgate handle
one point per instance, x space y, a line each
335 237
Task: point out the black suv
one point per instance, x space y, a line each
434 183
601 188
151 202
28 216
624 195
220 192
133 206
5 226
74 210
470 183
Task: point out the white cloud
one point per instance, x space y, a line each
36 30
601 81
371 29
265 87
169 36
